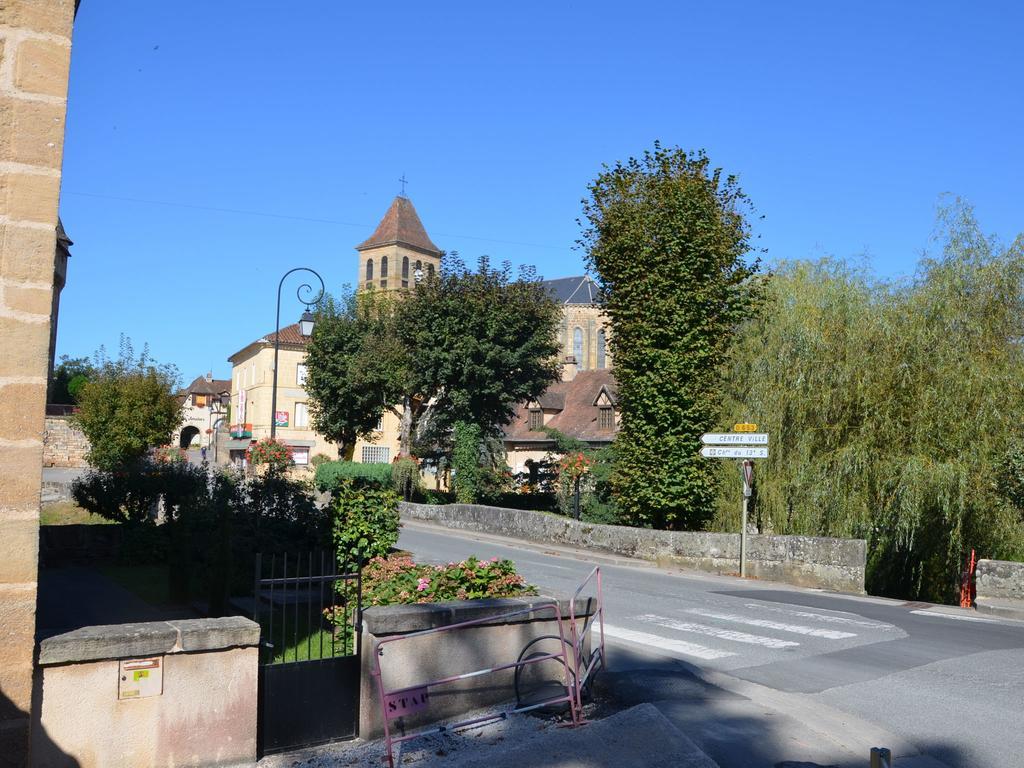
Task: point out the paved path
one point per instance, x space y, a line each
790 676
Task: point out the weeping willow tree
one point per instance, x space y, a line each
890 408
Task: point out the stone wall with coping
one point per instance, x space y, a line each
64 444
205 715
1000 578
434 656
806 561
35 55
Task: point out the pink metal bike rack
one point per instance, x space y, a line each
392 699
579 635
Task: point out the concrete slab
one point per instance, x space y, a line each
639 737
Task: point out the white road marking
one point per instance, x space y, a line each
823 617
666 644
723 634
954 616
797 629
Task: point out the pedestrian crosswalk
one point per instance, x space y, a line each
723 632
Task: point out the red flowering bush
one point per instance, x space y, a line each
273 453
397 579
574 465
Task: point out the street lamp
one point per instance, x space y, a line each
305 328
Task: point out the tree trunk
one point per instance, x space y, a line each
405 433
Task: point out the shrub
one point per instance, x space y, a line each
466 472
405 475
331 474
365 523
318 459
126 407
270 452
397 579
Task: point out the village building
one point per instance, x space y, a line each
584 408
205 405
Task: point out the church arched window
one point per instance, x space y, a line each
430 271
369 272
600 348
383 271
405 271
577 347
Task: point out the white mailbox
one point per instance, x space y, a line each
139 678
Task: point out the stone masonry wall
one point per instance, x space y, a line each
1000 579
64 444
35 52
805 561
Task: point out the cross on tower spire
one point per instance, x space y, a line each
404 182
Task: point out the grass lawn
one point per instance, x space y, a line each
69 513
305 636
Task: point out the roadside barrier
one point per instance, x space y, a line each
576 670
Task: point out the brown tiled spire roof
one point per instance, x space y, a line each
401 225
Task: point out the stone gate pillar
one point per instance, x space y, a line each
35 51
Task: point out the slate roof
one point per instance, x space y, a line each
401 226
573 290
577 416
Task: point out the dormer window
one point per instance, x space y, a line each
536 419
606 418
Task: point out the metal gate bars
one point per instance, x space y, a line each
309 617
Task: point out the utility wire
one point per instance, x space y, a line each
289 217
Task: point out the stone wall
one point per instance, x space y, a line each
35 53
64 444
434 656
202 711
999 586
806 561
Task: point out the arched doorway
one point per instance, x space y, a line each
188 434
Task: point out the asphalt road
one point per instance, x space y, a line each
765 674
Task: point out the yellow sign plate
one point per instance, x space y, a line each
744 427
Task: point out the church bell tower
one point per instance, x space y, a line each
399 252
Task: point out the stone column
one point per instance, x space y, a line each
35 51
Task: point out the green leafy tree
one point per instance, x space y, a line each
667 236
69 376
893 408
478 343
127 407
355 368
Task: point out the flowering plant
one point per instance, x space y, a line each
574 465
397 579
275 454
171 455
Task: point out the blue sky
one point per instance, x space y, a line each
212 146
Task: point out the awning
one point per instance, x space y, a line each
237 445
300 443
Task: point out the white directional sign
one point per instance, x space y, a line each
735 438
734 451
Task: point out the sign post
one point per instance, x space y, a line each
745 443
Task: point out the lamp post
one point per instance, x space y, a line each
305 328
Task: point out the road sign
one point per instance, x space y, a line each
744 427
734 451
732 438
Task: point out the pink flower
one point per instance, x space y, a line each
494 559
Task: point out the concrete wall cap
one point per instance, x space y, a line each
402 619
127 641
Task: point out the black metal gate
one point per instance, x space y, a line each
309 617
